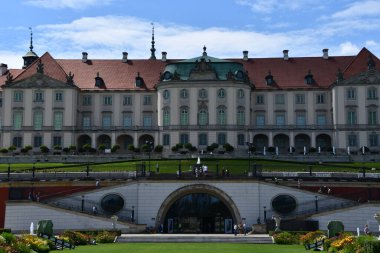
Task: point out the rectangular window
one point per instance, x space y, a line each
184 138
372 93
58 96
300 99
147 100
202 139
300 119
87 100
321 120
37 141
260 99
260 120
280 120
106 121
147 121
351 117
58 120
280 99
127 120
107 100
351 94
166 140
372 118
37 120
57 141
222 139
352 142
17 120
86 121
240 139
17 141
373 140
38 96
321 98
166 120
18 96
127 100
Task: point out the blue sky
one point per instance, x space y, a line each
106 28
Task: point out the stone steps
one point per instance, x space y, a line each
230 238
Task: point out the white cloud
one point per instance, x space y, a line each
72 4
348 48
359 9
12 59
267 6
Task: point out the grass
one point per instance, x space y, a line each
235 166
189 248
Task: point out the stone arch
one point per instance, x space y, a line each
197 188
104 139
260 141
301 141
144 138
123 141
83 139
282 142
323 141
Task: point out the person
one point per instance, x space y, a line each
235 229
366 229
94 210
97 184
244 229
38 197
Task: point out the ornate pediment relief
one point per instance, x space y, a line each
38 80
372 76
203 71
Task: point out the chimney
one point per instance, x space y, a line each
325 53
125 57
245 55
163 56
3 68
84 57
286 54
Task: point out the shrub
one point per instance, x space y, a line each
102 147
77 238
105 237
131 147
115 148
21 247
228 147
2 240
285 238
44 149
4 150
9 237
311 237
158 148
37 244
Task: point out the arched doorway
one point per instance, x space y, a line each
144 138
282 142
124 141
260 141
199 209
323 141
84 139
301 141
104 139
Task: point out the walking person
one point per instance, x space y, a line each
235 229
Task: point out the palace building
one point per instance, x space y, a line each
301 102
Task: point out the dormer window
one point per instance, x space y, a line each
309 78
167 76
99 82
139 80
269 79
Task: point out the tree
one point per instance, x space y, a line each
115 148
228 147
158 148
131 147
4 150
102 147
44 149
12 148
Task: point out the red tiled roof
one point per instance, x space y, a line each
14 73
287 74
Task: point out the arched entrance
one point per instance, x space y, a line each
198 209
323 141
84 139
260 141
105 140
301 141
282 142
124 141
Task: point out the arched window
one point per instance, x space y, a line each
371 93
166 94
184 117
221 93
240 116
184 93
240 93
221 116
166 116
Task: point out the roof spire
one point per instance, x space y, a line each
152 50
31 39
204 50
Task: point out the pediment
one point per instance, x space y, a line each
372 76
203 71
39 81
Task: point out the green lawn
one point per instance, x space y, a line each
235 166
189 248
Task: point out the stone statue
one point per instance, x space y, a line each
277 220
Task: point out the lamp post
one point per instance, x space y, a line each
250 148
150 145
265 214
316 204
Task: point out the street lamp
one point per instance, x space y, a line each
150 147
265 214
250 149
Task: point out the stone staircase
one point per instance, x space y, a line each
227 238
